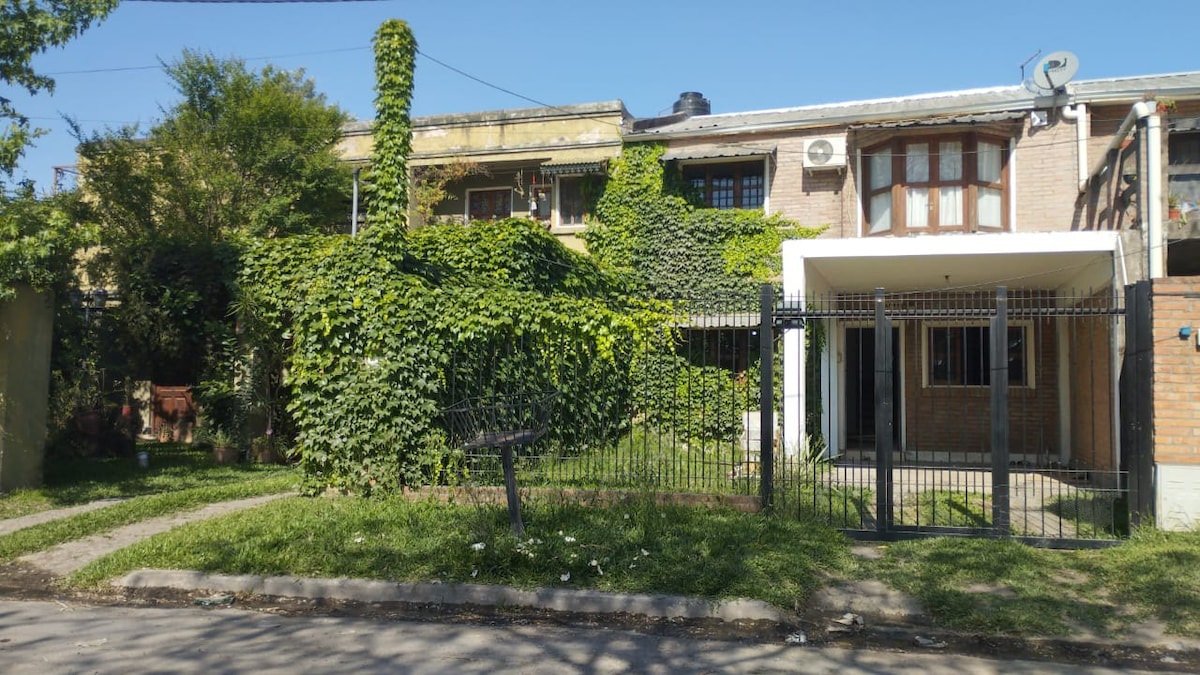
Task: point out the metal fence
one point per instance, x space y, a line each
677 412
990 413
966 413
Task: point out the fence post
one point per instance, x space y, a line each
883 417
766 395
999 395
1137 403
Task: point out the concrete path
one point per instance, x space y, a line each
73 555
10 525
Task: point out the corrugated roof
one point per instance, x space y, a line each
717 150
572 168
985 118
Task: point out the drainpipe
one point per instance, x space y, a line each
1155 244
354 205
1079 116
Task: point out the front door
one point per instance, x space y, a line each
860 388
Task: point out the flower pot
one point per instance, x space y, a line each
225 455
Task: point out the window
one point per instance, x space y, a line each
489 204
935 183
728 186
570 200
960 356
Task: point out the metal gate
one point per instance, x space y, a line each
966 413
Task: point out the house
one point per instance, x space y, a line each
948 210
536 162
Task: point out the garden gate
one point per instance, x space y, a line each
968 413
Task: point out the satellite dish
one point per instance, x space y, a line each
1055 70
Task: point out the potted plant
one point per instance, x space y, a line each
1173 212
222 442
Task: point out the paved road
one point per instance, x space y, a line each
41 637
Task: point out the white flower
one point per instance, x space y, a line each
574 556
632 565
594 563
560 533
645 552
565 576
478 546
626 516
358 540
474 573
569 539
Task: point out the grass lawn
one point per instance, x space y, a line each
639 547
172 467
178 479
1002 586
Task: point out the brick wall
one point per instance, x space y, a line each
958 419
1176 371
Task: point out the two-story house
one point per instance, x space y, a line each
534 162
1059 197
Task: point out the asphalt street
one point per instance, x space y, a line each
53 637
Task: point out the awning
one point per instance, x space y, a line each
718 151
983 118
567 168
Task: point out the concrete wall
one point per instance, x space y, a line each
1177 402
26 329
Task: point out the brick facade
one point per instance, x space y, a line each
1176 371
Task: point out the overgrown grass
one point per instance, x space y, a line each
645 458
945 508
41 537
638 547
172 467
1007 587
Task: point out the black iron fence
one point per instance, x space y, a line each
969 413
989 413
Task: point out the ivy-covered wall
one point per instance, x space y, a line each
647 227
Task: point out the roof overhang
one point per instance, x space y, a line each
717 151
572 168
1079 261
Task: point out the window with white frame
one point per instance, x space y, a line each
948 182
961 355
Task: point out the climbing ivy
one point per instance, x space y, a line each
395 60
377 340
648 227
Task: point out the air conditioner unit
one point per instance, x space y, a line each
825 152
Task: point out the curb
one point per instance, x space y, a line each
362 590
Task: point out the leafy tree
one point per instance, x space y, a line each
28 28
242 155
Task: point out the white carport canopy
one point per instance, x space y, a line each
1068 261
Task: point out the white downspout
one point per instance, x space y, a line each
1155 244
1079 116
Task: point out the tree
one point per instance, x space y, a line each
241 155
27 28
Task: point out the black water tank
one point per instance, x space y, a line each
692 103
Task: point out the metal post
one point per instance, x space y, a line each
883 417
999 395
766 395
1137 447
510 490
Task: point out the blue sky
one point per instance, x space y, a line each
740 55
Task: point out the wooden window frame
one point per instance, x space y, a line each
708 167
970 183
502 188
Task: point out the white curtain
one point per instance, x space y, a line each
918 207
881 204
990 201
950 170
